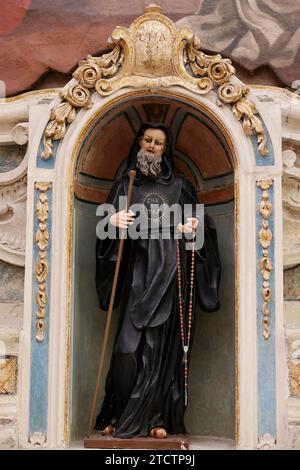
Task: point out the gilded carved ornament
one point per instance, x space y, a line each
41 266
152 53
265 238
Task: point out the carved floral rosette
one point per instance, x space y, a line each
153 54
265 265
41 266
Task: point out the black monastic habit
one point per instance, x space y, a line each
145 382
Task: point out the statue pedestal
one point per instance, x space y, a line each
175 441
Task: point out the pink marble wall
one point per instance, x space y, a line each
39 37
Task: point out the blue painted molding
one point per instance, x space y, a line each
38 406
266 360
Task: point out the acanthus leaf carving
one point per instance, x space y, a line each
217 69
244 110
265 238
41 265
42 236
42 208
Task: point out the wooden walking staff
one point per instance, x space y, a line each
132 174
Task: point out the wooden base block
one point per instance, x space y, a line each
174 441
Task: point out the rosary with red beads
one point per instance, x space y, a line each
185 339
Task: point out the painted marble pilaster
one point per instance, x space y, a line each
266 361
40 310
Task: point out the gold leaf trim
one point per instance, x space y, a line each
265 265
41 266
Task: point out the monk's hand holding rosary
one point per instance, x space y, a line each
189 226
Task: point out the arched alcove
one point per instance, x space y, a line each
203 154
238 177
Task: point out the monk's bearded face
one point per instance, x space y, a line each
148 163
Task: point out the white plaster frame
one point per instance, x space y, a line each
246 175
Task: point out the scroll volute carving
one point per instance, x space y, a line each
153 54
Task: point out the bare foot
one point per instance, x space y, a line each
158 433
108 430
